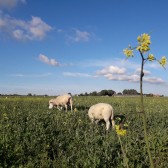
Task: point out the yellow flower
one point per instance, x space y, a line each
144 47
120 131
139 38
117 127
144 42
128 52
163 61
75 110
151 57
144 38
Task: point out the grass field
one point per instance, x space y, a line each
31 135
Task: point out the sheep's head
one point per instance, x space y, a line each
51 104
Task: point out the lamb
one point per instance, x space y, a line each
102 111
63 100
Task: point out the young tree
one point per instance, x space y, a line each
144 46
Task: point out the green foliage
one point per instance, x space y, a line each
130 92
101 93
34 136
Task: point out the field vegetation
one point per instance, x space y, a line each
31 135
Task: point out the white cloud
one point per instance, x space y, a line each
79 36
122 71
9 4
154 65
122 77
120 74
126 64
35 29
48 61
146 72
154 80
31 75
111 70
38 28
76 74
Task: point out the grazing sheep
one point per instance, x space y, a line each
63 100
102 111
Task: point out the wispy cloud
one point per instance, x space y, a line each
76 74
31 75
119 70
154 80
154 65
9 4
79 36
48 61
34 29
108 62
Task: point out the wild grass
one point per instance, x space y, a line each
31 135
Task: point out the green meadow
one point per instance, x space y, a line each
33 136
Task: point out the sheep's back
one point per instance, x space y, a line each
100 111
63 99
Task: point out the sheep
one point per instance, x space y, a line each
102 111
63 100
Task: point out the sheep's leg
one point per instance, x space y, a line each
71 107
66 107
71 104
107 125
58 108
113 123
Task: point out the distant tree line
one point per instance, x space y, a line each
95 93
101 93
110 93
130 92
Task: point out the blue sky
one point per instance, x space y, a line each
59 46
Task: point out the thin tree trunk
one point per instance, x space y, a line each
144 113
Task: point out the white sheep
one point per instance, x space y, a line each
60 101
102 111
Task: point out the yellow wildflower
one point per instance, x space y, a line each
144 47
139 38
163 61
151 57
144 38
144 42
117 127
120 131
75 110
128 52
